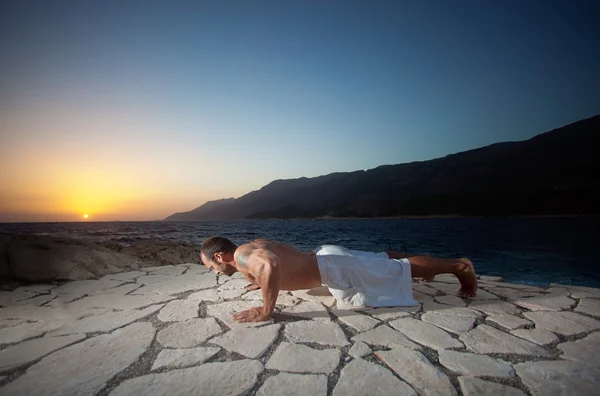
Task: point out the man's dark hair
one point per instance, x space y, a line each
217 244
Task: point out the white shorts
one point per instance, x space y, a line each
365 279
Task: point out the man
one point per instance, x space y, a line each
354 277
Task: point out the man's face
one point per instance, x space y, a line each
217 265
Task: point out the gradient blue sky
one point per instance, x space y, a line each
133 110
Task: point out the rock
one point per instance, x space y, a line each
37 288
454 320
495 307
386 337
584 292
317 294
195 268
491 278
124 276
445 288
451 300
105 322
10 322
249 342
421 288
431 306
537 336
188 334
356 320
564 323
84 368
179 311
475 387
388 313
415 369
9 298
589 306
445 278
475 365
359 349
168 270
512 294
162 253
284 298
585 350
317 331
5 272
30 351
361 378
180 358
36 301
545 303
42 258
227 378
180 284
231 294
234 284
559 378
485 339
225 311
307 310
27 330
509 322
425 334
204 295
123 289
115 301
302 359
294 385
85 286
484 295
152 278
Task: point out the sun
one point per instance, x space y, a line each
85 216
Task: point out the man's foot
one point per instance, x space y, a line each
465 272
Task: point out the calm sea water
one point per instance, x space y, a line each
524 250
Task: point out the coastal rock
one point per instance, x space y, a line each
454 320
537 336
451 300
359 349
231 294
36 301
188 334
227 378
294 385
489 278
415 369
179 284
508 322
30 351
152 278
307 310
475 387
84 368
589 306
124 276
170 270
249 342
559 378
388 313
9 298
162 253
234 284
27 330
585 350
386 337
225 311
302 359
422 288
318 294
425 334
495 307
475 365
38 288
185 357
179 311
123 289
318 331
204 295
115 301
356 320
485 339
361 378
564 323
545 303
85 286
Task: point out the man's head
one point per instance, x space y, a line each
217 254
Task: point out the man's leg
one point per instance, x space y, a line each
426 267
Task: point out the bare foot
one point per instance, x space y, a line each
465 272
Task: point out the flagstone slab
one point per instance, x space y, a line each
116 301
184 357
204 295
294 385
225 311
359 349
475 365
9 298
316 331
179 311
30 351
36 301
36 288
27 330
454 320
564 323
415 369
284 298
495 307
169 270
387 313
546 303
123 289
231 294
249 342
559 378
355 319
585 350
124 276
589 306
485 339
235 284
475 387
446 288
445 278
512 294
104 322
584 293
180 284
10 322
489 278
85 286
223 379
152 278
509 322
425 334
318 294
307 310
537 336
432 306
421 288
451 300
84 368
484 295
188 334
386 337
297 358
362 378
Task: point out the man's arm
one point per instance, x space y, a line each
265 267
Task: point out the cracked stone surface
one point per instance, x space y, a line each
294 385
415 369
362 378
298 358
227 378
184 357
95 333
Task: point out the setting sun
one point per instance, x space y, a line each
85 216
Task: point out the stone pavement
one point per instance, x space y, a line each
168 331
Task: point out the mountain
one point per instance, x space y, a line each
552 173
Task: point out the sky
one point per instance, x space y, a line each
134 110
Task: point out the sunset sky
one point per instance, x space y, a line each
134 110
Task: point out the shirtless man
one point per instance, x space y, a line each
355 277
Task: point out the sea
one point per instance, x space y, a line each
538 251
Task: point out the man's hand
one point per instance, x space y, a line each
252 287
251 315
